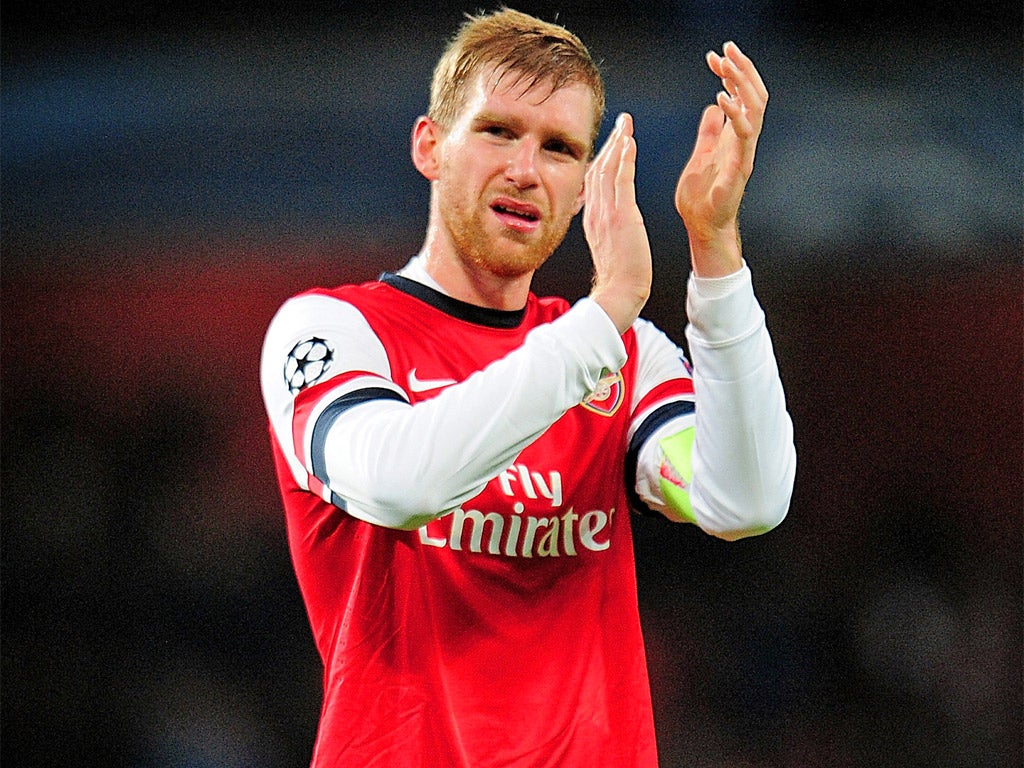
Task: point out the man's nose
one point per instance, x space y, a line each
521 168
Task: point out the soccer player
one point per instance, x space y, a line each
459 458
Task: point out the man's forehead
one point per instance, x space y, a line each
516 83
511 85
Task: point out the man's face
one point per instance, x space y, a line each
511 172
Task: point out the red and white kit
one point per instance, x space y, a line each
458 484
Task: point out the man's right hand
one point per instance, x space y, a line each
614 228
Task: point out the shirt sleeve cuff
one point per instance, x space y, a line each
722 310
717 287
595 330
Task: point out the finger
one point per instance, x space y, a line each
744 92
625 176
609 147
714 63
735 113
601 176
595 169
733 96
737 65
744 97
710 128
598 186
739 76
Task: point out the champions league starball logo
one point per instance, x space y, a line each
307 364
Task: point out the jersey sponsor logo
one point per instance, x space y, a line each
307 363
533 485
519 535
416 384
607 396
515 534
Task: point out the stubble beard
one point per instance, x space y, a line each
506 255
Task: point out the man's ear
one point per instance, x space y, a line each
426 145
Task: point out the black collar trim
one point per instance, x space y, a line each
493 318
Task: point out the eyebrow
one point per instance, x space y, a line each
581 148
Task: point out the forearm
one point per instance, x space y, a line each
400 465
743 458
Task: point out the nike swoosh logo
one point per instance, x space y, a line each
416 384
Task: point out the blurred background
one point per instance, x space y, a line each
172 172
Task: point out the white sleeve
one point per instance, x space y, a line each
315 325
739 473
400 466
744 459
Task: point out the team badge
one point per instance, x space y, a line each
607 396
307 363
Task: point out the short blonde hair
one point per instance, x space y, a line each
535 51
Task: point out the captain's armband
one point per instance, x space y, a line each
676 472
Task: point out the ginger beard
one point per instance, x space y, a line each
481 240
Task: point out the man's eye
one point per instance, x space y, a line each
498 131
560 148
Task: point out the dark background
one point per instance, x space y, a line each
171 173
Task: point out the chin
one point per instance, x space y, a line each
511 267
504 255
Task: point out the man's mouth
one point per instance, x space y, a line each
520 216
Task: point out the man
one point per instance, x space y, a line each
459 458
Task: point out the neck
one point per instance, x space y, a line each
471 283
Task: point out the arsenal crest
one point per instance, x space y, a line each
607 396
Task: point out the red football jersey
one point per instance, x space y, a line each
507 632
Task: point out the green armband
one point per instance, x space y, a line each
677 472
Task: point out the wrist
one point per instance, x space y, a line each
622 306
716 252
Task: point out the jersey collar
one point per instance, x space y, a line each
492 318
